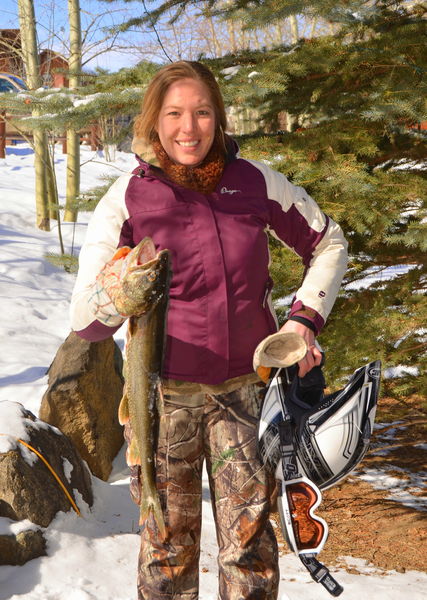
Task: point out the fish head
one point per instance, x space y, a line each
147 276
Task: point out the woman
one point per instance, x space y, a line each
211 209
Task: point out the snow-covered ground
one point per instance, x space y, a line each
93 557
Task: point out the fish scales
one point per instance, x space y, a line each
148 283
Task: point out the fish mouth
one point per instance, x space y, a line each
147 255
161 256
150 263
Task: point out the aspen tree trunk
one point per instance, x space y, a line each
278 34
73 137
292 119
257 43
231 35
294 29
213 36
27 23
52 191
313 27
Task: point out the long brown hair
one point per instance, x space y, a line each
145 126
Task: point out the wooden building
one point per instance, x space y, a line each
10 58
53 68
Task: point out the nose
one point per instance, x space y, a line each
188 123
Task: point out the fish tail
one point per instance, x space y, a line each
152 505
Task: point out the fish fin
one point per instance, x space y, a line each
264 373
124 410
161 399
122 252
132 453
152 505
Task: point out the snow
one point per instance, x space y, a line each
400 371
402 489
95 556
230 72
11 413
68 468
87 99
376 274
10 527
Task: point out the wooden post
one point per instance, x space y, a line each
2 134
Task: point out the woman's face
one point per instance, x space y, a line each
186 125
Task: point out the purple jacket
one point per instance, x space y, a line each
220 306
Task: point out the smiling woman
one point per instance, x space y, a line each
211 209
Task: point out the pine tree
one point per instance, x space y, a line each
357 100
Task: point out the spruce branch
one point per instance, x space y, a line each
153 26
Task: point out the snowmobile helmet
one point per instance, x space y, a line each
329 439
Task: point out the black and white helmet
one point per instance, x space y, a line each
330 438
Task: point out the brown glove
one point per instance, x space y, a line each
110 302
278 350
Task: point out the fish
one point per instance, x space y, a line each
146 284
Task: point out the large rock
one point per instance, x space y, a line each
28 489
22 547
85 388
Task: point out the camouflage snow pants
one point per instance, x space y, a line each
220 429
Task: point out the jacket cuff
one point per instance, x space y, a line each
97 332
303 321
308 314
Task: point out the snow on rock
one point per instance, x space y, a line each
12 425
68 467
32 468
10 527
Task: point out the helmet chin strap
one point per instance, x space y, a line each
321 574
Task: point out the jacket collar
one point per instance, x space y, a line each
150 167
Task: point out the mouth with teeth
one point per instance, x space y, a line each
187 144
